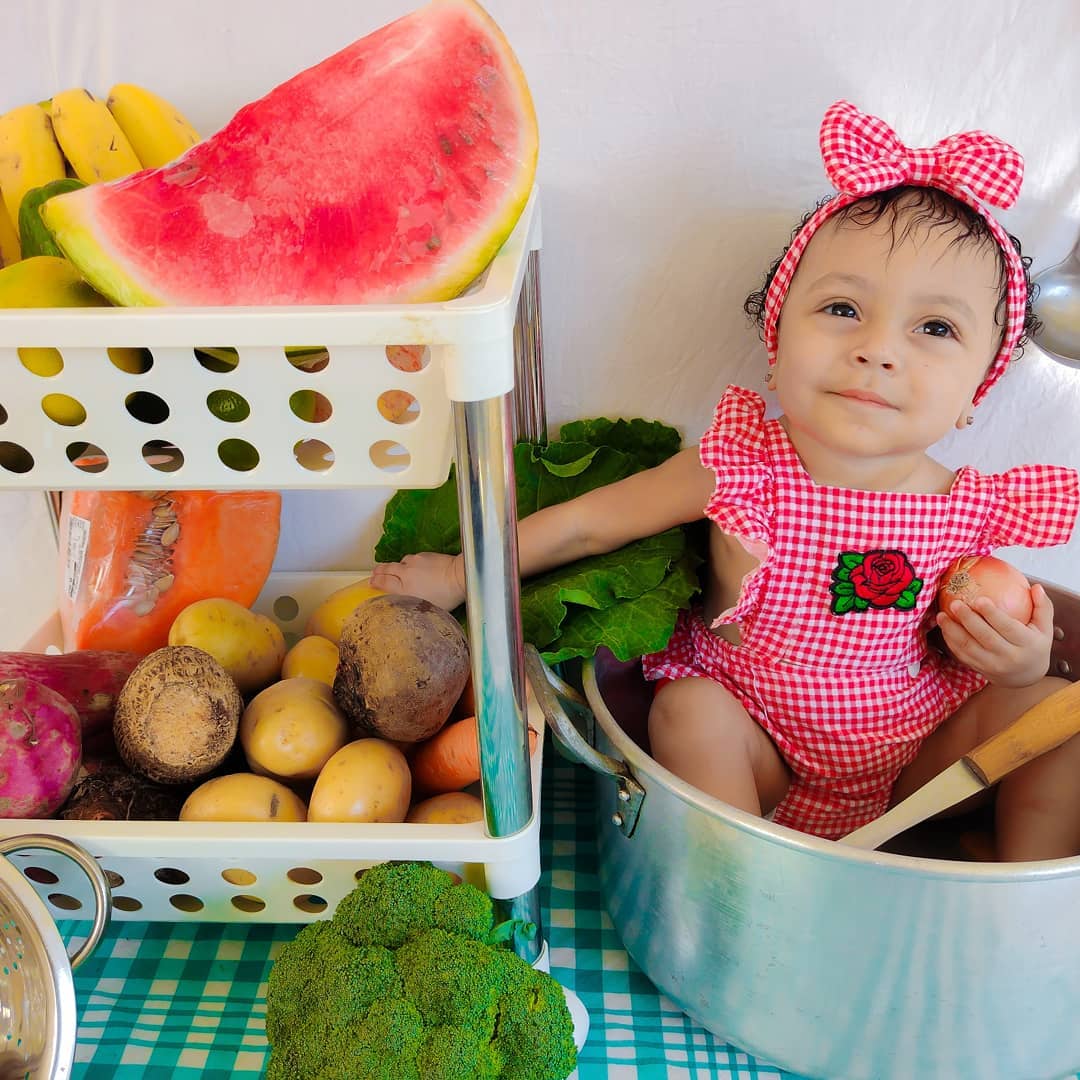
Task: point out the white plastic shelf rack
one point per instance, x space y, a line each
251 871
268 397
156 430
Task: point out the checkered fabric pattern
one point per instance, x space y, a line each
186 1001
833 661
863 155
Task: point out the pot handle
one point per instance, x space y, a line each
550 692
98 881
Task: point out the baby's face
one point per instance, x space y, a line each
880 346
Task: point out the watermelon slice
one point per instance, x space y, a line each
391 172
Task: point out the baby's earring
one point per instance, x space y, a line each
969 420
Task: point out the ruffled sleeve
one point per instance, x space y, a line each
743 500
1032 506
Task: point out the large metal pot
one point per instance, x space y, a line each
828 961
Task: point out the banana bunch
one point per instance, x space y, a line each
77 135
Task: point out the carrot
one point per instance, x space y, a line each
450 759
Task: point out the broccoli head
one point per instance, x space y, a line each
451 979
534 1031
464 909
410 981
320 967
457 1053
391 902
383 1046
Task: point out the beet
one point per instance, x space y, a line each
40 749
91 680
112 793
177 716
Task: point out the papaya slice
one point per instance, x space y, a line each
130 561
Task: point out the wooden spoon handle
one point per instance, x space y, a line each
1044 726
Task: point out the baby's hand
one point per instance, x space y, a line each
439 579
1003 649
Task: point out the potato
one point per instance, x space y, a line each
243 797
403 663
314 657
329 617
452 808
290 730
248 646
366 780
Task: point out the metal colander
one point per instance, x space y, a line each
38 1018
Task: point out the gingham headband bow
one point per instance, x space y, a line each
862 154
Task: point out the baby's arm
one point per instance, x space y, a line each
599 521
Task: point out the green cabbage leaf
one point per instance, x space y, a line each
626 600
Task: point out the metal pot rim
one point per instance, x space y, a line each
644 766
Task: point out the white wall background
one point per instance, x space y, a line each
678 149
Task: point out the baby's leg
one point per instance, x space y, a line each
703 735
1038 806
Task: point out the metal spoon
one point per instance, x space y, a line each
1058 306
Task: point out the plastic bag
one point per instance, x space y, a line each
131 561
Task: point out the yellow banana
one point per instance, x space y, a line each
10 248
29 156
48 281
91 138
157 130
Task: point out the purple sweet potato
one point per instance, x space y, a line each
40 749
90 680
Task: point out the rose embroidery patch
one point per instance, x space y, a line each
873 579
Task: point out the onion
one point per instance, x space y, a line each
983 575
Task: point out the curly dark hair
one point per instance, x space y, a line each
922 206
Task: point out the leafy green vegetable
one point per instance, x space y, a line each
626 600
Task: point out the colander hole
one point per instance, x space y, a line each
312 904
114 879
304 875
126 903
186 902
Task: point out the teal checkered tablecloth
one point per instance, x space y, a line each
186 1000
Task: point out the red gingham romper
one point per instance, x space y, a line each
834 662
